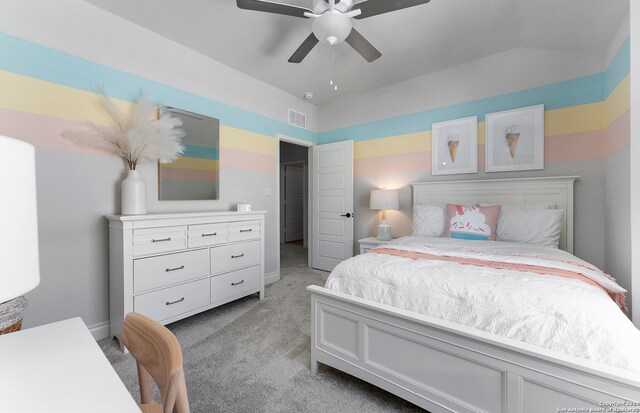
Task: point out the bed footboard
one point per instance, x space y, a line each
443 367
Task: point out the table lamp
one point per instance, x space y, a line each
384 199
20 271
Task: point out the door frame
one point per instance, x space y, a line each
296 141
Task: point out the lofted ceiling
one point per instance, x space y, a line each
413 41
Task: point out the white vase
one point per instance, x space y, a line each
134 194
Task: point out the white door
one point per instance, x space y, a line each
332 193
293 202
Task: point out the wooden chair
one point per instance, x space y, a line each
158 356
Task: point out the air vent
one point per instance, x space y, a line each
297 119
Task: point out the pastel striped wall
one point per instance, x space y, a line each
46 92
585 119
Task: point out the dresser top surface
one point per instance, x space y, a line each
173 215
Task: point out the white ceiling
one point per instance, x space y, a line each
413 41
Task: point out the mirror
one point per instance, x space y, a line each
196 175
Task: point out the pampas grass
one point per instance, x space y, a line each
137 136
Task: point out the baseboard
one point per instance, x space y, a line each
272 277
100 330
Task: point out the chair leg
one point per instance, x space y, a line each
182 400
144 378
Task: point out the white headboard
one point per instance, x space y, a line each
558 189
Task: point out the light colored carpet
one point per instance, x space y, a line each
253 356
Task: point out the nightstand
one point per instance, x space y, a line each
370 243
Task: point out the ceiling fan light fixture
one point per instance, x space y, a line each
331 28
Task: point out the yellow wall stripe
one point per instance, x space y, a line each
413 142
247 141
565 121
618 102
574 119
40 97
29 95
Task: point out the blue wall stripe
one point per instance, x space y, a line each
201 152
574 92
33 60
588 89
619 67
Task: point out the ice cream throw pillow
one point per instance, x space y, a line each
472 222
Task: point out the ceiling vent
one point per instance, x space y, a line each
297 119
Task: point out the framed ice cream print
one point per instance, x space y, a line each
515 139
454 147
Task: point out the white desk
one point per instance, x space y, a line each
59 367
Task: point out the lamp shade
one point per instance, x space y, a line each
384 199
20 270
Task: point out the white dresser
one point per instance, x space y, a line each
171 266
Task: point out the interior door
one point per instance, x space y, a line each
332 194
293 202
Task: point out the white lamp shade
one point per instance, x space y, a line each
331 28
384 199
20 271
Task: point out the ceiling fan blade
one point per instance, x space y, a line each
374 7
362 46
304 49
273 7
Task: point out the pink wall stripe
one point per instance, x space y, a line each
181 174
617 135
573 147
246 161
406 162
43 132
561 148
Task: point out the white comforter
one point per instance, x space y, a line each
561 314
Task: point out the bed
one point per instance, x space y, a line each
444 366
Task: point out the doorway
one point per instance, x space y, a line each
293 202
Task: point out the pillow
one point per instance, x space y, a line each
472 222
531 226
428 220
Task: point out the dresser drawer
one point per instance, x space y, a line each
234 256
206 235
235 284
244 231
158 240
156 272
173 301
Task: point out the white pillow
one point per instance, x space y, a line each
541 226
429 220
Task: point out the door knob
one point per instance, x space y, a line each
348 215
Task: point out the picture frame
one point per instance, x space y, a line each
515 139
454 146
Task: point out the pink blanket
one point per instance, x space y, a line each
618 298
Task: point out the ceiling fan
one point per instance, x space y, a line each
332 21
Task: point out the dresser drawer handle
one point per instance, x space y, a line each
237 256
174 302
238 283
213 234
246 230
175 269
161 240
